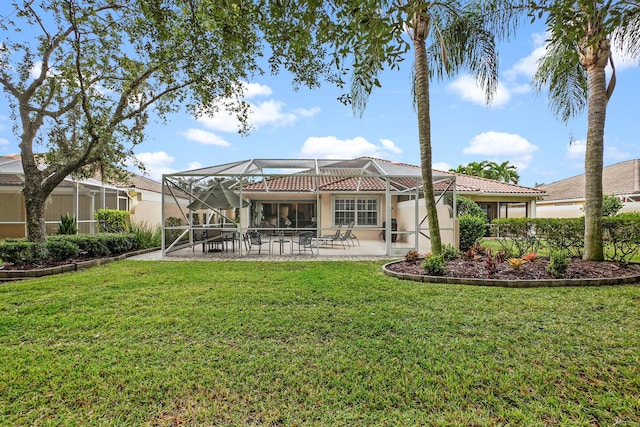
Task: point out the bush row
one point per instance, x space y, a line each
62 247
519 236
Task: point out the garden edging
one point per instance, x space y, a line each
626 280
11 275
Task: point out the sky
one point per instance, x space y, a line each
518 126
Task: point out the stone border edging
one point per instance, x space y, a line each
626 280
12 275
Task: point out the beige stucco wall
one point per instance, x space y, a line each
575 210
406 222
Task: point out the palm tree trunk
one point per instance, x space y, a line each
424 130
593 242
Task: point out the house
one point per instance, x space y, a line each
78 197
383 199
566 198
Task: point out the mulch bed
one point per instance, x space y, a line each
536 270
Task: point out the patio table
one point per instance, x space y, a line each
281 239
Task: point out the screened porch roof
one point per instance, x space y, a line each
303 175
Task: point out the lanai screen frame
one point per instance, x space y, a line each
261 170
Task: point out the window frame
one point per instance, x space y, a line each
356 201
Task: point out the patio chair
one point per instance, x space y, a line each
330 239
305 240
255 238
348 235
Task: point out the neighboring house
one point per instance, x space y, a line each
382 198
566 198
78 197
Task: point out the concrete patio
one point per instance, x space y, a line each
367 250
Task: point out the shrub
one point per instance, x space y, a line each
558 263
90 245
565 234
148 236
172 235
517 235
67 225
118 243
449 252
60 249
611 205
411 256
472 229
111 220
434 265
622 236
19 252
465 206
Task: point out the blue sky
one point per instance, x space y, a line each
518 126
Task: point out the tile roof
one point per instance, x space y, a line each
620 179
11 174
297 182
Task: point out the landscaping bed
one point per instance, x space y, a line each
536 270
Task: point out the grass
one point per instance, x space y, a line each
317 343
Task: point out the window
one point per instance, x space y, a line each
284 214
361 210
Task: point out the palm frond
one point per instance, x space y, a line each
560 71
627 35
461 41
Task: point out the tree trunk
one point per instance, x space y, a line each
34 202
593 244
594 59
424 130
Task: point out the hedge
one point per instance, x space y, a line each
519 236
62 247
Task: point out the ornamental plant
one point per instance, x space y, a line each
411 256
434 265
531 256
516 263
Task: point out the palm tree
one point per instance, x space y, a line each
579 50
505 172
367 37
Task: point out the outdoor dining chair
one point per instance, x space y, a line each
255 238
305 240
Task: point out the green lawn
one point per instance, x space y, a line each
317 343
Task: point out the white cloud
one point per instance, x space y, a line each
204 137
194 165
389 145
307 112
270 112
577 149
441 166
4 141
467 88
528 65
330 147
252 90
223 121
500 146
36 68
156 163
614 154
